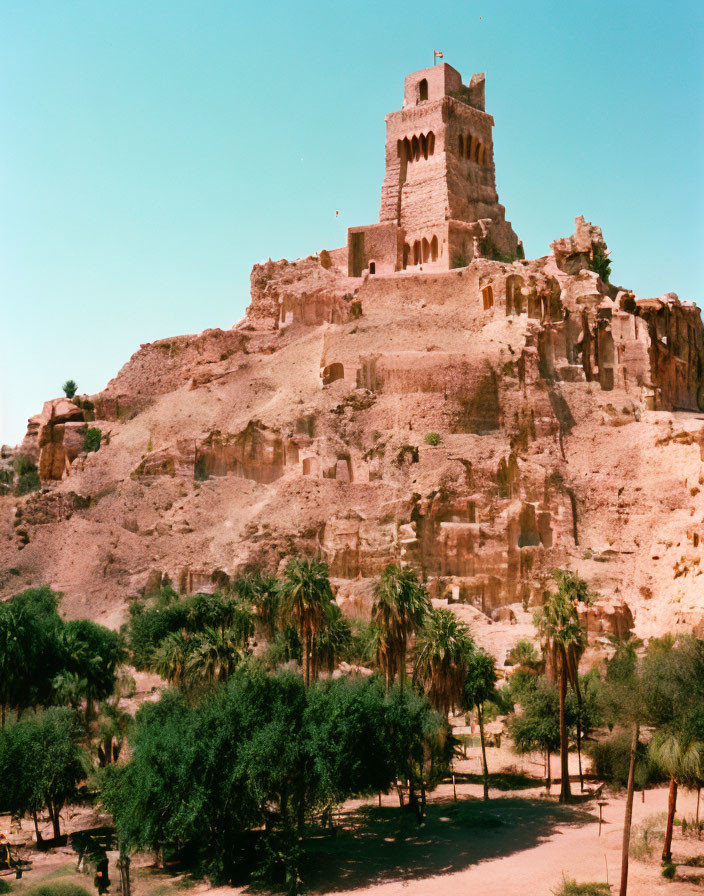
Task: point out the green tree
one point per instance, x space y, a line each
305 599
91 653
30 653
623 701
70 387
215 654
442 659
564 642
401 605
537 728
263 592
480 687
673 680
170 659
42 763
92 439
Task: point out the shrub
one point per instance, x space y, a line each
28 482
432 438
570 887
600 263
459 260
24 464
669 870
611 758
5 886
325 260
69 388
91 442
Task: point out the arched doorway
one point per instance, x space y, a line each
423 90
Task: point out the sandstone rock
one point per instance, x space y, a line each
607 617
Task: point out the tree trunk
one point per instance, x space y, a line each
399 788
36 828
3 716
671 805
402 666
565 793
485 770
579 731
625 846
55 816
123 863
548 780
305 658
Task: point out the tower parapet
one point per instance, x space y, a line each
439 192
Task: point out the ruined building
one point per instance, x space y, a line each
439 202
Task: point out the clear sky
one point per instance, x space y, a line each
151 152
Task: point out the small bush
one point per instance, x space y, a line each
325 260
5 886
91 442
69 388
432 438
669 870
570 887
600 263
459 260
24 464
28 482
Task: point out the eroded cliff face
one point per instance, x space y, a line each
570 434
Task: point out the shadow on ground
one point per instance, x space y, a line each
377 845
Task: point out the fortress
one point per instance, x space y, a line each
439 205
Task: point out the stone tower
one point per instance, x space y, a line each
438 202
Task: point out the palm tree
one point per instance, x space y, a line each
263 592
171 658
480 686
564 642
400 608
680 755
442 659
331 641
113 726
305 599
215 654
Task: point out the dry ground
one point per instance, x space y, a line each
519 844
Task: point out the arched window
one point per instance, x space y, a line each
423 90
415 148
423 146
372 267
434 249
431 143
416 252
478 149
461 145
425 246
470 146
408 155
406 255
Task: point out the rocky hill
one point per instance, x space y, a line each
484 424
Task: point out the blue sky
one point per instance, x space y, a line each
150 153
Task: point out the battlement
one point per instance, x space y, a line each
439 205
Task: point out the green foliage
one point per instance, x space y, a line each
669 870
600 263
432 438
263 750
58 888
90 655
459 260
5 887
306 599
91 441
537 728
442 659
28 482
401 605
69 388
570 887
30 653
42 763
523 653
23 464
611 759
480 681
195 639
